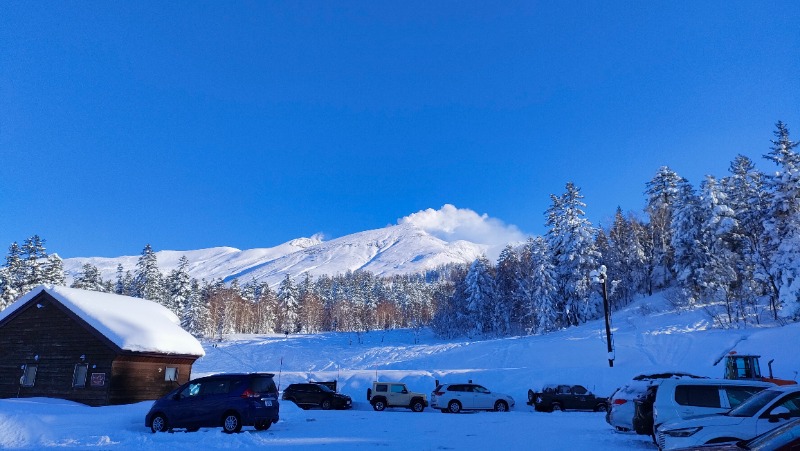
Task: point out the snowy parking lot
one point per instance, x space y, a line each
38 423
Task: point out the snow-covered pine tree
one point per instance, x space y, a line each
783 227
89 278
195 311
718 278
661 194
34 256
147 279
479 288
689 250
747 197
13 276
571 239
507 296
289 304
179 286
625 260
539 287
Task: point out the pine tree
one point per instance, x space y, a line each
89 278
479 288
538 287
195 311
661 193
625 259
689 253
179 286
289 304
783 226
748 199
508 299
147 280
570 238
718 276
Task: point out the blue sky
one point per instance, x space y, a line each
189 124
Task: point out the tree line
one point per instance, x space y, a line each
731 245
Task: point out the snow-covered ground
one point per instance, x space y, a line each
649 336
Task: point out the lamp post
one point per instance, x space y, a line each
599 276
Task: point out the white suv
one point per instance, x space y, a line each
679 399
453 398
762 412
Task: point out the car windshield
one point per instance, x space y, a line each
324 388
777 437
754 404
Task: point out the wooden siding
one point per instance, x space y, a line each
59 338
135 381
52 335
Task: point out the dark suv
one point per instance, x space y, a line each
313 395
227 400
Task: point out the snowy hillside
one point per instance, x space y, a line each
649 336
418 242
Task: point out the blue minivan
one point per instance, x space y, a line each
227 400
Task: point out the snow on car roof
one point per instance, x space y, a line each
131 323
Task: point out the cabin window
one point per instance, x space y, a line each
28 375
171 374
79 376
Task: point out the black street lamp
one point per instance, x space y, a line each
599 276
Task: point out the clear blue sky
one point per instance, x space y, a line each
189 124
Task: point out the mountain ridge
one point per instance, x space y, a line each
396 249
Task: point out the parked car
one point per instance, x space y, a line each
453 398
307 395
395 394
782 438
229 401
675 399
566 397
621 407
762 412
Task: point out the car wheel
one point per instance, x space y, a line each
262 425
501 406
231 423
556 407
379 405
454 407
325 404
159 423
601 408
417 406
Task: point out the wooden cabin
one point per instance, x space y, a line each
90 347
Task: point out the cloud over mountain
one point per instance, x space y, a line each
450 223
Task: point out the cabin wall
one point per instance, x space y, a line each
45 334
138 378
49 338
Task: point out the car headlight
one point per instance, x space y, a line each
683 432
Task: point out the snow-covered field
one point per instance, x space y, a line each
648 336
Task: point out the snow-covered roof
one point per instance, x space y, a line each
133 324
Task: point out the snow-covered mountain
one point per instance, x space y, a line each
418 242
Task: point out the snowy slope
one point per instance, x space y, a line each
649 336
397 249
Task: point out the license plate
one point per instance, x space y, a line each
268 403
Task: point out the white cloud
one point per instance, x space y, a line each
452 224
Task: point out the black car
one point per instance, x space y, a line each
566 397
229 401
311 394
